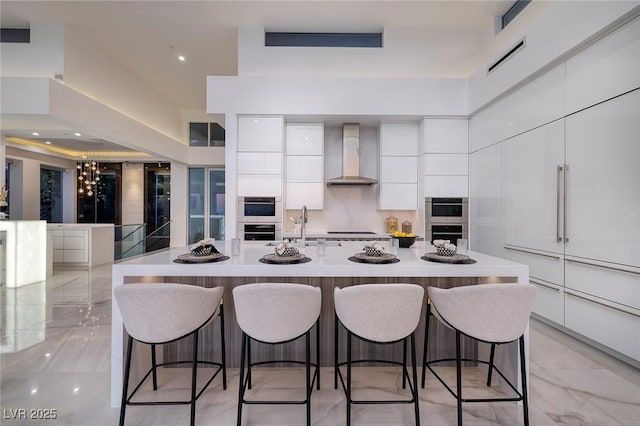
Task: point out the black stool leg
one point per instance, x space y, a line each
335 351
223 348
348 378
415 378
307 339
125 380
426 347
404 364
523 374
153 366
493 352
249 360
194 376
318 354
241 384
458 378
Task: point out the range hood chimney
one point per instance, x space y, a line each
351 159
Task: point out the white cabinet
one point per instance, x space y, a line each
446 136
533 186
603 181
399 151
447 164
260 163
260 156
304 168
399 169
305 139
260 134
446 186
606 69
399 139
91 244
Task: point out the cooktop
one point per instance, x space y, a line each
350 232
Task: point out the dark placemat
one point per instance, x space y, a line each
458 259
274 259
189 258
363 258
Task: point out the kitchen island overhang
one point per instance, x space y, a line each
333 269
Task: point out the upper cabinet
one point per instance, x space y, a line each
260 134
304 166
260 159
605 69
446 158
399 150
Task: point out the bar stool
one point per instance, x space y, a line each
161 313
277 313
382 314
490 313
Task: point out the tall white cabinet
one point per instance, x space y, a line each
304 161
260 156
568 199
399 166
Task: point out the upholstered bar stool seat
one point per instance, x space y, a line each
490 313
382 314
161 313
277 313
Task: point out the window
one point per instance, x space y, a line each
50 195
206 134
291 39
513 11
206 204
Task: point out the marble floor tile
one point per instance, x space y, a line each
55 348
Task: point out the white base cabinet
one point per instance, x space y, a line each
86 244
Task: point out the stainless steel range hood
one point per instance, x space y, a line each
351 159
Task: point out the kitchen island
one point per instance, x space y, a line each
333 269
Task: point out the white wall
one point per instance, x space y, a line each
336 96
132 193
89 71
42 57
407 52
179 204
552 30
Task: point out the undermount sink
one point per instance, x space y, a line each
309 243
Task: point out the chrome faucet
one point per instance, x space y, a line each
303 226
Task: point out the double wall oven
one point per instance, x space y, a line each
260 218
446 218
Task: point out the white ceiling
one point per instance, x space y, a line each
146 36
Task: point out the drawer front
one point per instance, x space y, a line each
79 233
75 256
58 256
603 280
74 243
604 322
549 301
58 242
544 266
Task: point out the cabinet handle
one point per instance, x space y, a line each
532 252
543 284
603 267
558 177
564 204
606 305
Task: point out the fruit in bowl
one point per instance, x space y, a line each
405 240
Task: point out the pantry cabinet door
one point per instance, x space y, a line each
533 186
603 181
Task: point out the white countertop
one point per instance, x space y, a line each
335 263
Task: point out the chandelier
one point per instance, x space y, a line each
88 175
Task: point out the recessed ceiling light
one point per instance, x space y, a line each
77 134
35 134
47 142
181 58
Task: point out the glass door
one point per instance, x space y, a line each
206 203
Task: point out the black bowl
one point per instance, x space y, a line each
406 242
